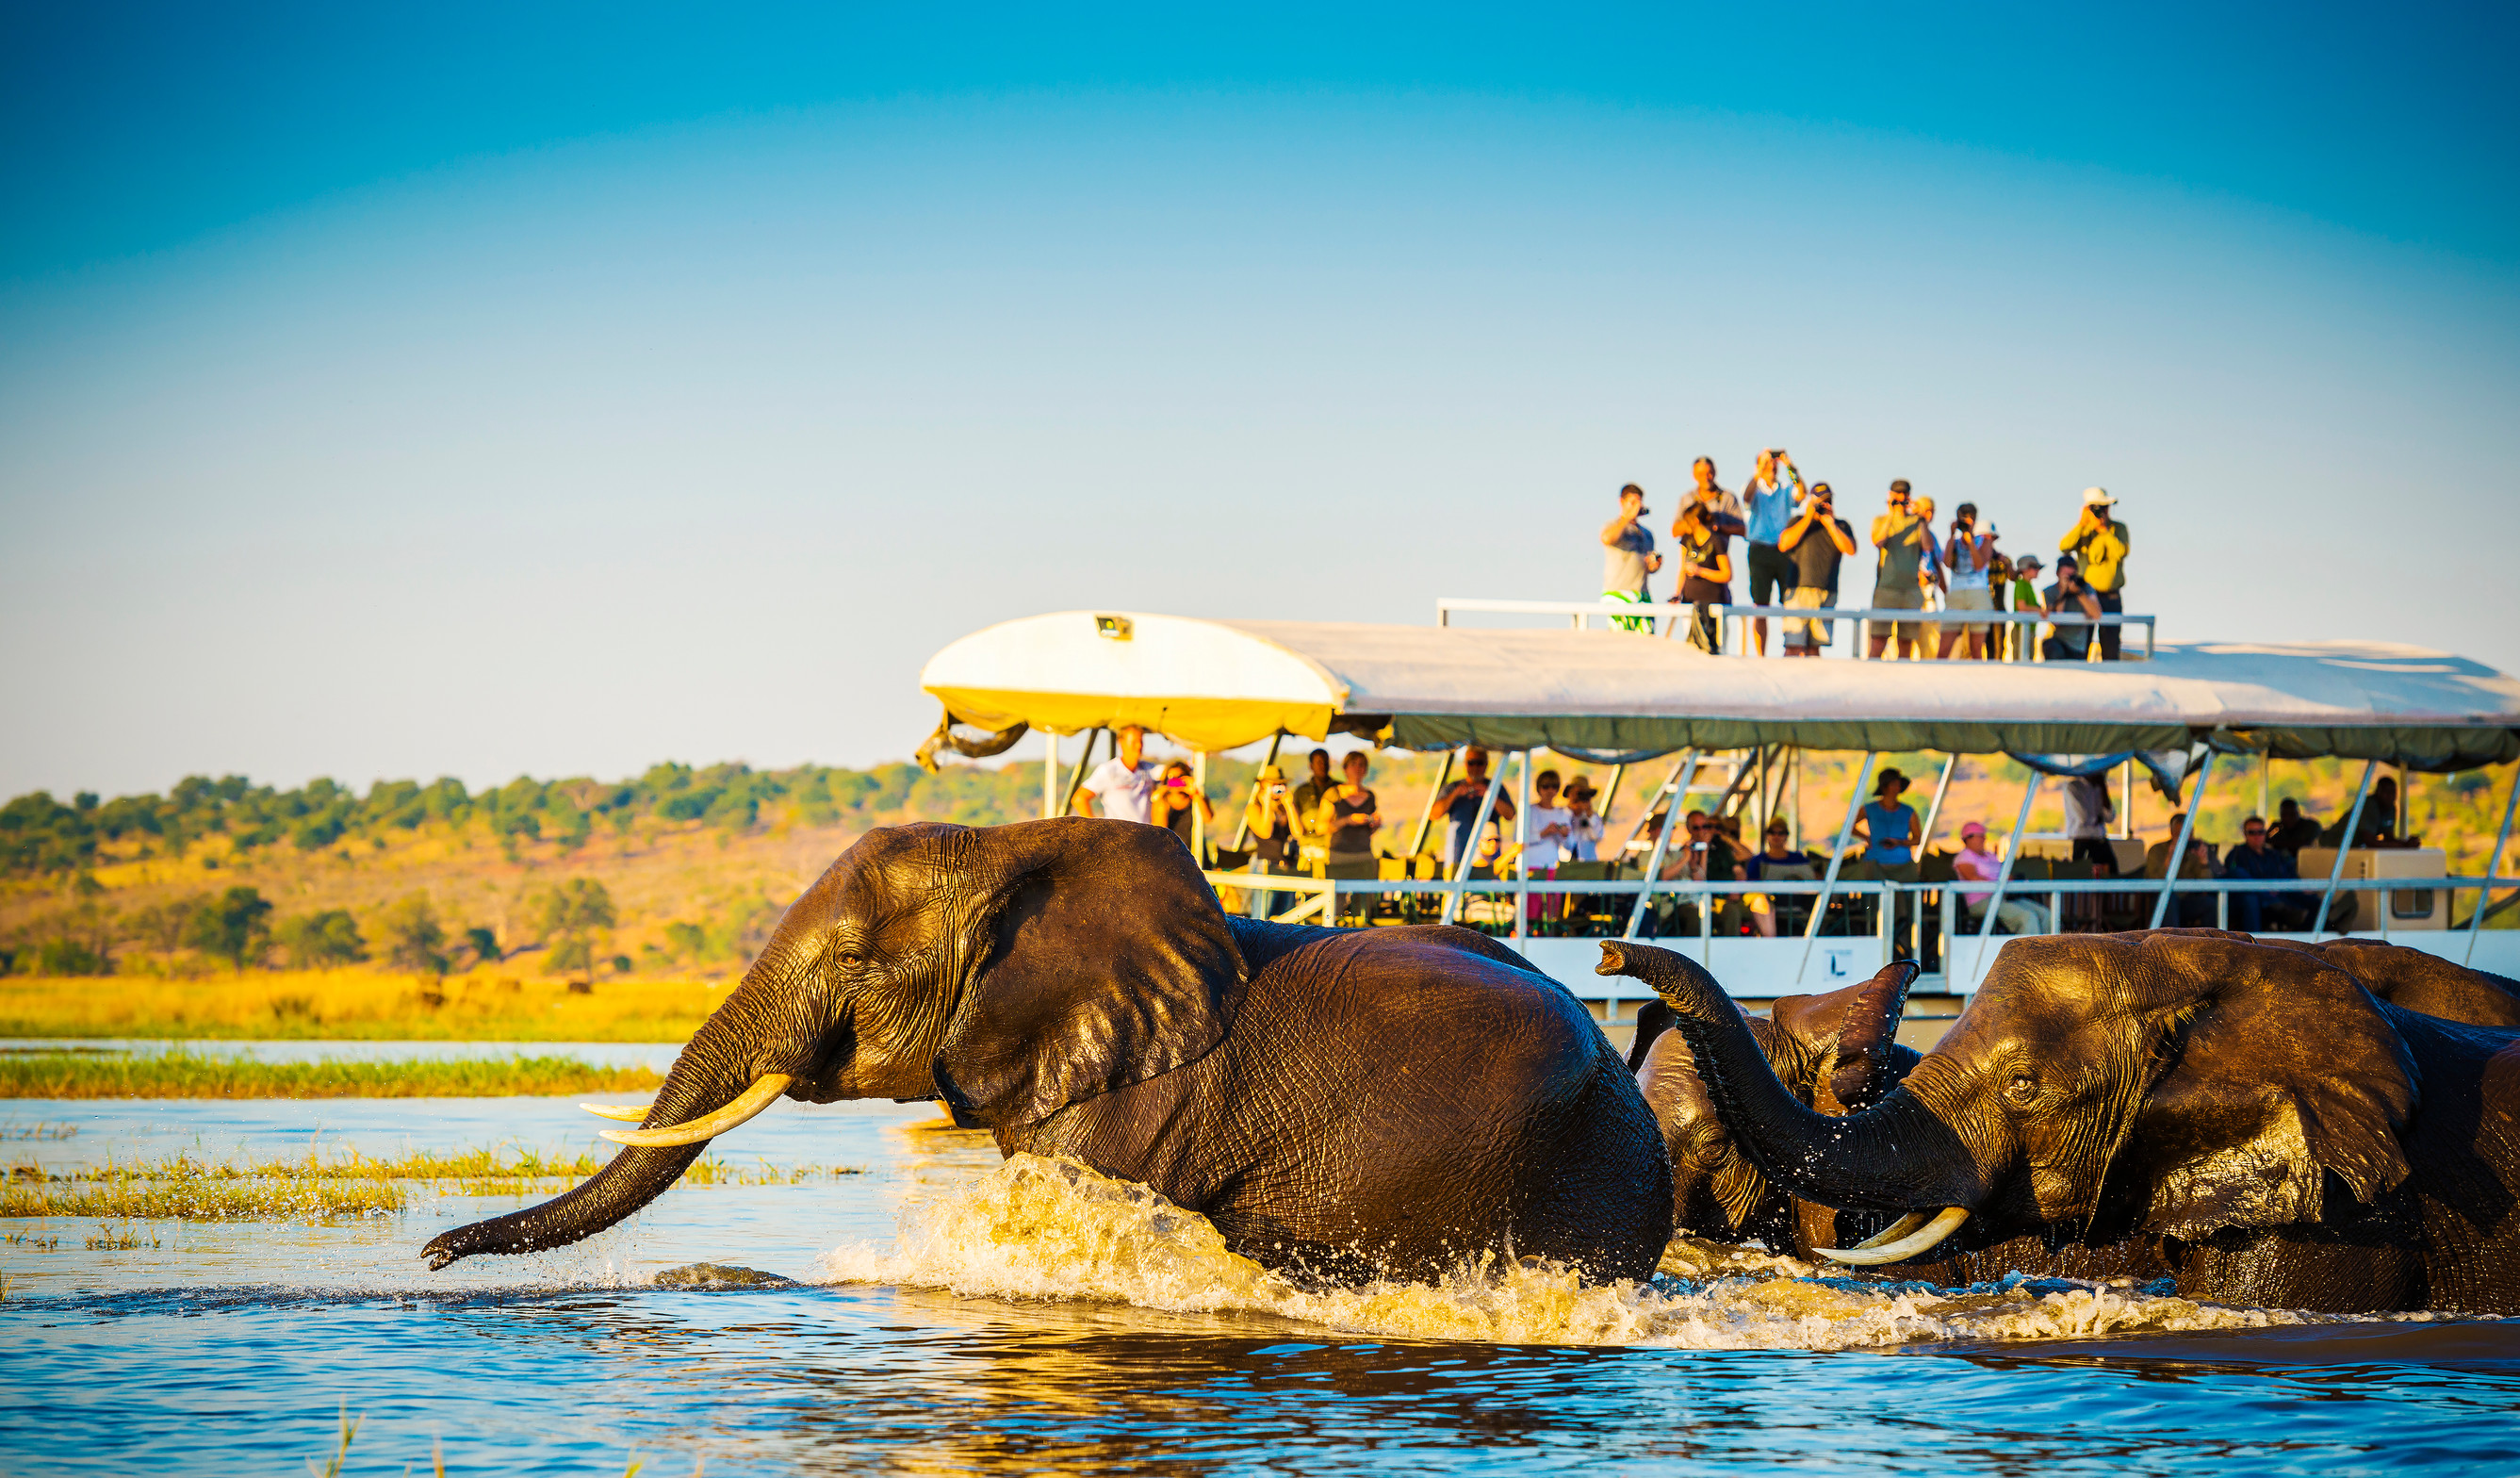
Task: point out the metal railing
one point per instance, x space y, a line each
2027 650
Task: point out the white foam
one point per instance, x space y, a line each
1051 1228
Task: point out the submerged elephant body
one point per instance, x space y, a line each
1348 1102
2245 1118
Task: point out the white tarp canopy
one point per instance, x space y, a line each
1216 685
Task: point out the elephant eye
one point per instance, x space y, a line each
2022 1088
848 961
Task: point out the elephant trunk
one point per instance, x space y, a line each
1897 1155
712 1071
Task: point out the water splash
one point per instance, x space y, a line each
1051 1228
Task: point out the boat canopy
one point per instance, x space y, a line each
1619 695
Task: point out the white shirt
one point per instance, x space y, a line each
1584 844
1126 793
1544 851
2086 807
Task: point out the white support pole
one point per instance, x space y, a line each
1427 821
2003 880
1688 761
1243 827
1836 859
1049 775
1678 789
1924 836
2344 844
1470 845
2264 760
2187 831
1198 816
2493 864
1522 858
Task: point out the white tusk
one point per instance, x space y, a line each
627 1113
1895 1230
1947 1221
764 1092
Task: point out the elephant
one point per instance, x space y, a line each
1341 1103
2243 1117
1835 1051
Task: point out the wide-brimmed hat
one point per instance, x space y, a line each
2096 496
2028 562
1270 772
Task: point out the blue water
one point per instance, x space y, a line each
232 1349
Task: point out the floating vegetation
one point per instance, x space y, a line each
187 1075
350 1184
111 1240
41 1128
32 1241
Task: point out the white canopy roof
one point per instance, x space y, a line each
1219 684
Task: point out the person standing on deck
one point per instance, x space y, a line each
1123 785
1772 500
1727 514
2099 542
1461 803
1899 543
1705 571
1628 558
1930 581
1965 561
2087 811
1309 795
1815 542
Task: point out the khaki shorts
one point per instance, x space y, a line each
1970 599
1814 634
1908 599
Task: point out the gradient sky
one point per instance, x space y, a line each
397 392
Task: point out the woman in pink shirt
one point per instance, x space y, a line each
1978 865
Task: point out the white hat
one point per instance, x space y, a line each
2096 496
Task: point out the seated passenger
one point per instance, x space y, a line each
2015 916
1778 860
2256 858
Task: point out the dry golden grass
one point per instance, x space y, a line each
354 1003
187 1075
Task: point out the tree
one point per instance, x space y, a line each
483 942
233 927
315 940
572 915
413 937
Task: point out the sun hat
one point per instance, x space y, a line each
1270 772
2096 496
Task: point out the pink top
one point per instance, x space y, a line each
1979 864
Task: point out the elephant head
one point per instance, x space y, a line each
1009 971
2216 1080
1838 1052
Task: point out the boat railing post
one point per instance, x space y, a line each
1705 926
1199 812
1242 829
1886 919
1924 837
2179 853
1084 767
1470 847
1677 788
1836 860
2493 864
2003 880
1049 775
2344 844
1522 858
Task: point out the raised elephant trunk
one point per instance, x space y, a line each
1897 1155
711 1074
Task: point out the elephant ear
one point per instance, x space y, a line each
1845 1039
2288 1073
1108 962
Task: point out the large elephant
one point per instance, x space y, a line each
1346 1103
1836 1051
2243 1117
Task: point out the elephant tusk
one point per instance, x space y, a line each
627 1113
1895 1230
1866 1256
764 1090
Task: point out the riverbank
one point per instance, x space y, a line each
355 1004
184 1075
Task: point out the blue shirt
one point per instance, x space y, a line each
1772 510
2241 861
1896 819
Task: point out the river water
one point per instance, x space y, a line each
953 1313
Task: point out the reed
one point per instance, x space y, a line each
187 1075
354 1003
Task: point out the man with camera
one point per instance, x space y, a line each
2098 542
2072 607
1965 560
1772 497
1814 543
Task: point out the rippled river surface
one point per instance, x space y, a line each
952 1314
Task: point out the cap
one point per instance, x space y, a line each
2096 496
1820 490
1270 772
1899 485
1640 497
1977 827
2028 562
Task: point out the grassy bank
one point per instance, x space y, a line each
187 1188
183 1075
354 1004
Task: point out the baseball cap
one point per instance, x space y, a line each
1641 496
1968 827
2096 496
2028 562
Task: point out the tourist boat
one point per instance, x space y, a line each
1729 726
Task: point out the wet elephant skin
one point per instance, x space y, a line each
1345 1102
2243 1117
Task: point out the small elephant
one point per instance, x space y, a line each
1346 1104
2243 1117
1836 1053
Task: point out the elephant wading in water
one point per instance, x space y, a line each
1344 1103
2246 1118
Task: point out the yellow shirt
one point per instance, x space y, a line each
2103 553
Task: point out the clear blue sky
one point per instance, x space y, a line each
392 392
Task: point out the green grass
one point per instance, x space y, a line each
186 1189
184 1075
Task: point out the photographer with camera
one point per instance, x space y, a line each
1966 557
2098 542
1179 806
2073 607
1773 499
1814 543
